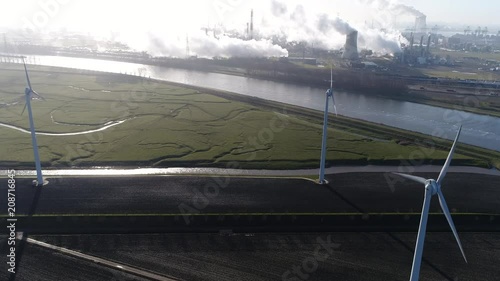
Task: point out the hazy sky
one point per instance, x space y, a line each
101 16
466 12
168 27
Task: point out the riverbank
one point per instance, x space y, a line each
399 86
377 131
224 172
478 101
473 101
186 125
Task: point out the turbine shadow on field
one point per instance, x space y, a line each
426 261
22 242
350 203
410 249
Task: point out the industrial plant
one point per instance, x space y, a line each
195 141
412 46
287 46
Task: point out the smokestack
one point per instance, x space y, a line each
421 45
251 24
351 46
411 41
428 44
421 23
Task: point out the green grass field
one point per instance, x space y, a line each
448 72
461 54
467 69
166 125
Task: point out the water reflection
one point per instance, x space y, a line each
214 172
478 130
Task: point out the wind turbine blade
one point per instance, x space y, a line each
38 95
419 245
27 76
413 178
331 76
333 101
447 214
331 89
24 108
444 170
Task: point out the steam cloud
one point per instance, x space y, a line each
408 9
324 24
322 31
394 7
207 46
201 44
278 8
273 20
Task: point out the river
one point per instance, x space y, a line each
479 130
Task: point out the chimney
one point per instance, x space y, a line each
428 44
251 24
411 41
421 45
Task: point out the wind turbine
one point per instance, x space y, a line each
28 93
329 94
432 187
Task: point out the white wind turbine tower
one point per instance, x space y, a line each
329 94
432 187
28 93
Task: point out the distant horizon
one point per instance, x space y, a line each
223 27
96 15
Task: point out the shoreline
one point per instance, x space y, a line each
179 171
482 156
407 95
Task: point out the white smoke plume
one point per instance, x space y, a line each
296 23
394 7
408 10
277 8
199 44
325 24
274 19
233 47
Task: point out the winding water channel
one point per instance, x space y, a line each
41 133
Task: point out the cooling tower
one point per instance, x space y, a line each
421 23
351 46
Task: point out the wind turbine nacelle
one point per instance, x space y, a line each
432 186
329 93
